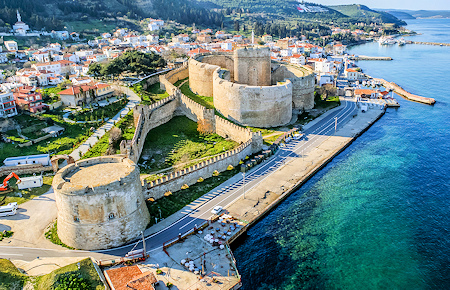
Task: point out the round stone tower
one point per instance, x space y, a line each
100 203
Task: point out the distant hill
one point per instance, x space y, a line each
362 12
418 13
53 14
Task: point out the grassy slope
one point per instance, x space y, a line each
10 276
86 271
360 11
202 100
178 141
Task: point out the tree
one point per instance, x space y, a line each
236 25
95 69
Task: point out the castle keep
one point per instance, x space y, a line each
251 90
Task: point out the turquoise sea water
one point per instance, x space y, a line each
378 216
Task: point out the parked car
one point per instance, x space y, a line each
217 209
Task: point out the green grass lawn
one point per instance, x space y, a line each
178 142
173 203
207 102
72 137
52 235
10 276
26 194
91 25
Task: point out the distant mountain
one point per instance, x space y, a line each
399 14
418 13
362 12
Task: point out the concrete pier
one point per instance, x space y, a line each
364 57
429 43
401 92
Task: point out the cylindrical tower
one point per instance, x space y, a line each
252 66
100 203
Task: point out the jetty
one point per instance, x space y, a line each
403 93
428 43
365 57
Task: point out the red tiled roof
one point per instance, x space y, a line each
132 276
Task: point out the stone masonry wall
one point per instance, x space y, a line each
252 66
24 169
189 176
102 216
149 117
251 105
303 83
167 81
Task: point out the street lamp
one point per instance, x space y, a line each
243 174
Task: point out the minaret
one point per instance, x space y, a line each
19 19
253 36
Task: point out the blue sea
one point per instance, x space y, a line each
378 216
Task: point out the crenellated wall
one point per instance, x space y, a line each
167 81
175 180
257 106
149 117
303 83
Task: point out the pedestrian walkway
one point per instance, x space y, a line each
133 100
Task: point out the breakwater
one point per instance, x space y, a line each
428 43
402 92
365 57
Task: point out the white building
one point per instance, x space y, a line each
351 74
20 27
7 105
11 45
326 79
43 159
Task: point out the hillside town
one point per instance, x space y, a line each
151 154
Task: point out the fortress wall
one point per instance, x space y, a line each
222 60
167 81
303 83
189 176
252 66
253 106
200 77
147 118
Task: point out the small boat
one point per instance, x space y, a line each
401 42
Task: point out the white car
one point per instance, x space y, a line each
217 209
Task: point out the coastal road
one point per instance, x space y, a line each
226 194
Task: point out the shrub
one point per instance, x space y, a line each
230 167
72 281
200 179
159 271
185 186
216 173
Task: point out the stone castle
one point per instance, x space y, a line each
251 90
101 201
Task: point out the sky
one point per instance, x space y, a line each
392 4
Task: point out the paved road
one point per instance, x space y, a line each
227 194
